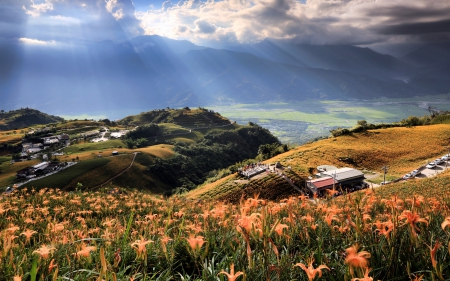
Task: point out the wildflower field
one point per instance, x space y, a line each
398 232
403 149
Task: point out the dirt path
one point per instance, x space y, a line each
118 175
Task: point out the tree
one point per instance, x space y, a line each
362 123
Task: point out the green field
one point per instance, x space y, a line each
90 146
63 178
299 122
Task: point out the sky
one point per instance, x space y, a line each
374 23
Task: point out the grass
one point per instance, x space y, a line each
93 146
67 176
402 149
102 173
10 137
160 150
201 190
8 174
397 232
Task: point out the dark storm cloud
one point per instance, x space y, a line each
421 28
402 13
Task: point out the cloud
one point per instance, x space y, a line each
37 9
113 7
312 21
30 41
204 26
46 20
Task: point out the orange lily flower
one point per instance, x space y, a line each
433 252
85 251
412 219
44 251
355 258
28 233
52 265
445 223
279 228
310 270
139 246
195 242
232 276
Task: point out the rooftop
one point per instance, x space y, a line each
322 182
343 174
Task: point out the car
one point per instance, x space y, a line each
408 176
445 157
385 182
438 161
415 172
431 165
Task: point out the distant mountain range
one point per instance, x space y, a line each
153 72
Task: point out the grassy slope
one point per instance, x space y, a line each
65 177
92 170
402 149
8 171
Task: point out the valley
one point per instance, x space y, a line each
303 121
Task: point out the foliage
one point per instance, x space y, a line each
192 162
145 131
25 117
376 234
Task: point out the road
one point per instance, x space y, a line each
427 173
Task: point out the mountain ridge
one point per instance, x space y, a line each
153 72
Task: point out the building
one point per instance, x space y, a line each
345 176
64 137
320 184
40 166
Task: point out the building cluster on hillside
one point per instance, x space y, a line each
40 169
31 149
341 180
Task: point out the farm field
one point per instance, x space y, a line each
397 232
299 122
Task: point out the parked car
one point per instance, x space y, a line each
385 182
431 165
438 161
416 172
408 176
445 157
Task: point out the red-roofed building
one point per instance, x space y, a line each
321 184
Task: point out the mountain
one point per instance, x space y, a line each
221 75
428 55
25 117
332 57
74 78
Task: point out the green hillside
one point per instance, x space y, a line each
25 117
186 117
